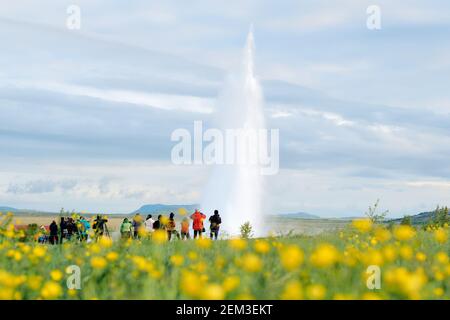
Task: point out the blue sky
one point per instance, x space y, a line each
86 115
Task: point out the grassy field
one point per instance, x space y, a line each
414 264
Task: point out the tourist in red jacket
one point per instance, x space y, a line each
197 224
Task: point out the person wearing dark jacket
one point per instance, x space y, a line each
62 230
53 233
215 221
157 224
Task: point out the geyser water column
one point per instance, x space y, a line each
236 190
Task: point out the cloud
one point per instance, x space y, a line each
41 186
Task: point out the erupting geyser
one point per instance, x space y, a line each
236 190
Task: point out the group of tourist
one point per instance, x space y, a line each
78 227
137 226
73 227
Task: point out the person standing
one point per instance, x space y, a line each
83 228
126 229
149 223
62 230
70 228
53 233
215 221
197 223
158 224
185 229
171 227
137 224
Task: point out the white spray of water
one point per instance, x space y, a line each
236 190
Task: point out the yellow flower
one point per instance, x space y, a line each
238 244
325 255
316 292
177 260
7 294
407 283
51 290
213 292
10 280
204 243
192 255
421 257
251 262
105 242
191 284
56 275
72 292
95 248
389 253
362 225
442 257
373 257
182 211
404 232
262 246
291 257
98 262
220 262
382 234
292 291
164 220
142 264
406 252
441 235
112 256
230 283
200 267
439 276
34 282
159 236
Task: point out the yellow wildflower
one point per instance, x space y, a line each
404 232
362 225
56 275
292 291
316 292
238 244
51 290
98 262
177 260
230 283
441 235
291 257
251 263
262 246
213 292
325 255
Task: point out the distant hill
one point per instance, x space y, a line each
299 215
420 218
164 208
8 209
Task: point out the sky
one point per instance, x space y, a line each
86 115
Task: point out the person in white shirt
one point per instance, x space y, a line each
149 223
